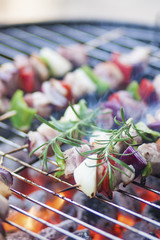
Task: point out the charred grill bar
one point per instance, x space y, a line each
100 40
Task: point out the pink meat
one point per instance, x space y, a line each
8 79
110 73
76 54
40 102
132 108
35 139
151 152
43 134
55 93
74 159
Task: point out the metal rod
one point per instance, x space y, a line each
147 188
48 224
33 234
130 212
17 132
140 199
33 168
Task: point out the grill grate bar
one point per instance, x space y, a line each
25 230
147 188
139 199
31 167
46 223
12 130
131 212
10 143
95 229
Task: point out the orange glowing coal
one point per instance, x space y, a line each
40 212
118 230
94 235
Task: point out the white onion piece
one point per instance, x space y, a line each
85 176
57 64
69 115
80 83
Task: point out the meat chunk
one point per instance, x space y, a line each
80 83
8 79
74 159
55 92
4 105
76 54
40 137
40 102
35 140
132 108
39 67
110 73
151 152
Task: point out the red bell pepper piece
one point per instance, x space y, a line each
69 92
146 88
105 186
27 79
114 97
125 69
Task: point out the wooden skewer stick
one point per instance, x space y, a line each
70 188
7 115
17 149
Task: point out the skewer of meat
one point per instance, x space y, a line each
110 158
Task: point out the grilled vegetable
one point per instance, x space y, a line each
132 157
58 65
133 88
24 116
101 85
85 176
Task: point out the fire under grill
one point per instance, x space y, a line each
100 40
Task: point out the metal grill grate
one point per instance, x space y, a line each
100 40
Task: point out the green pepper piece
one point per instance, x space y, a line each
102 86
141 126
24 114
147 170
133 89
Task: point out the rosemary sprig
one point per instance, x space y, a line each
71 133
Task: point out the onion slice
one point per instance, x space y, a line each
132 157
6 177
85 176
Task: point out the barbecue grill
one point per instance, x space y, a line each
100 39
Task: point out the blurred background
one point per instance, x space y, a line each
26 11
